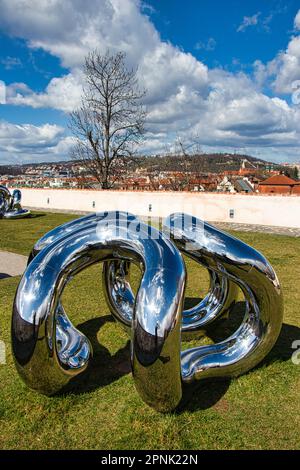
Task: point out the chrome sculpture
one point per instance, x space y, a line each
250 270
217 303
10 204
49 351
219 300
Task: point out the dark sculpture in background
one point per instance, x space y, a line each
49 351
10 204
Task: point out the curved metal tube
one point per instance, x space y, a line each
118 292
16 199
5 197
77 225
2 205
10 204
70 227
120 298
218 303
49 351
248 268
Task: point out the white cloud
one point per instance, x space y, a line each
63 93
118 24
208 45
248 21
114 24
297 21
69 29
2 92
11 62
165 69
183 96
262 22
21 143
283 71
237 115
287 67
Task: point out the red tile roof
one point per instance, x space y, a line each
281 180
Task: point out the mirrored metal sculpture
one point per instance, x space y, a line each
249 269
49 351
10 204
217 303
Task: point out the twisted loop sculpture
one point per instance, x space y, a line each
10 204
49 351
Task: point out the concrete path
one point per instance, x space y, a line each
11 264
290 231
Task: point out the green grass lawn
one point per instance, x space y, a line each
102 410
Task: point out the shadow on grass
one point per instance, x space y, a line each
35 216
202 395
105 368
190 302
209 392
4 276
282 349
28 217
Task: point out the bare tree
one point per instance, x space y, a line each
109 124
182 150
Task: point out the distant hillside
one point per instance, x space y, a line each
11 169
20 169
202 163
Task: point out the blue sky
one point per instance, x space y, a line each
225 72
201 20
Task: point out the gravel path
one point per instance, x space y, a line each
290 231
11 264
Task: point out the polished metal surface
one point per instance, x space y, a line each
120 298
118 292
218 302
2 205
70 227
5 198
10 204
249 269
49 351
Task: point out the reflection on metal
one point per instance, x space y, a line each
120 298
249 269
49 351
10 204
